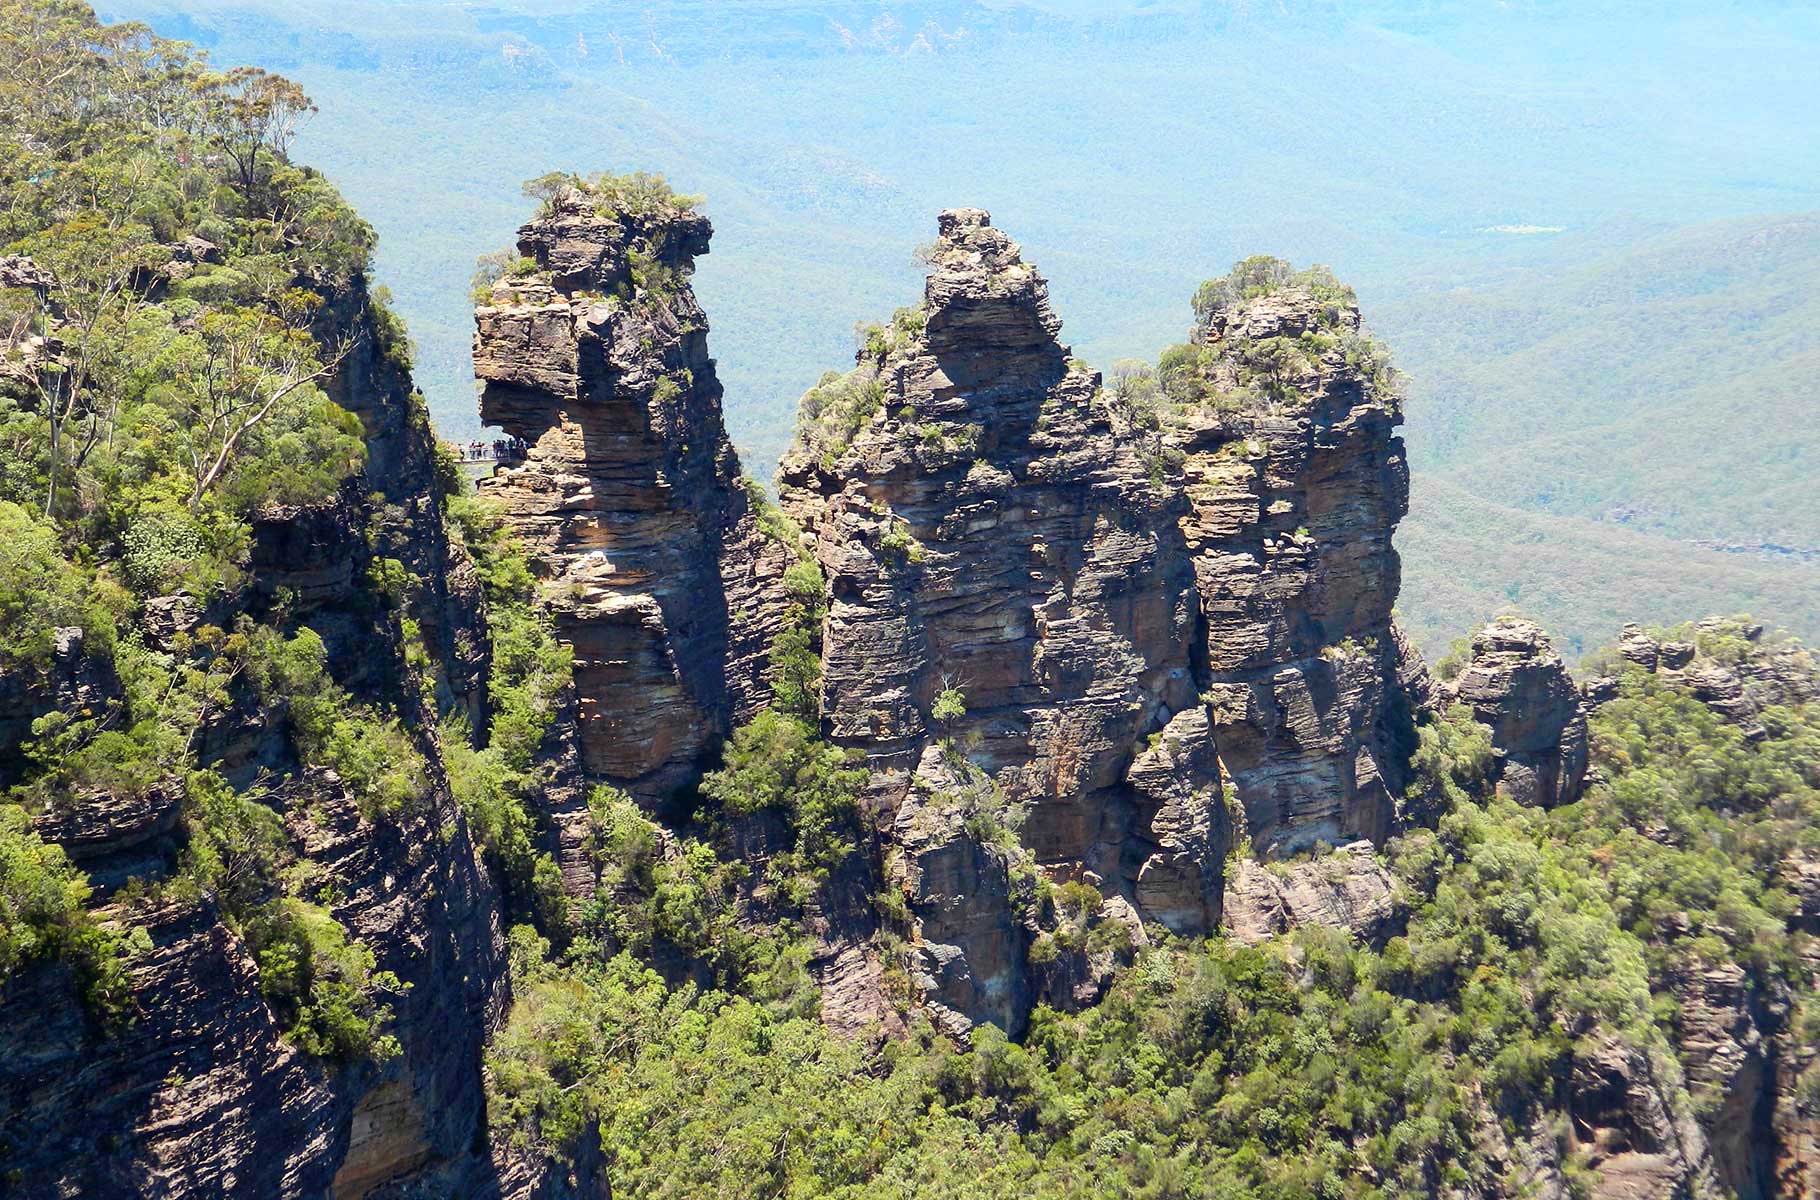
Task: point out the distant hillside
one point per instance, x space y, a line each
1140 148
1670 385
1463 556
1576 434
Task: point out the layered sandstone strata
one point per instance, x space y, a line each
1138 603
988 526
200 1093
628 499
1295 482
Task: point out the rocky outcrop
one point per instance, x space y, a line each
1739 1026
1517 686
1631 1126
1138 605
969 953
628 500
990 531
373 381
1348 889
1719 1033
1794 1116
1727 663
1114 612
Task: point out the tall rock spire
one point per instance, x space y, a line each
593 350
990 526
1284 416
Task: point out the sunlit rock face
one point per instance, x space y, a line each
1147 618
1295 483
988 524
628 498
1517 685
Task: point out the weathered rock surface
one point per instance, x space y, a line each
1632 1128
987 524
1138 613
1719 1035
200 1094
628 500
969 952
1296 481
1516 685
1348 889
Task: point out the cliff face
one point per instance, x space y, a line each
1293 512
1111 616
1296 483
1738 674
628 499
1727 1117
199 1092
1115 656
991 528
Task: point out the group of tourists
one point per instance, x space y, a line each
505 449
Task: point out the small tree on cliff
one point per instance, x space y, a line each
251 115
949 707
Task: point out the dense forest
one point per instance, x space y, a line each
323 869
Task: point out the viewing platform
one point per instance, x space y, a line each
479 460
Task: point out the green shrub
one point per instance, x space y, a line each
371 752
43 915
124 748
637 195
663 899
779 762
895 543
1452 760
40 592
949 706
493 782
831 414
1262 275
236 843
323 986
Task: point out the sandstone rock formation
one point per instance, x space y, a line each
629 500
970 952
1348 889
1517 685
1115 658
1632 1128
1134 607
988 526
1746 1048
1295 483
